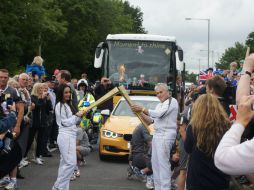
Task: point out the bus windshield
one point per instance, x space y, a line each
139 63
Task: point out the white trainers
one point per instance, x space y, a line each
42 159
23 163
38 161
82 162
73 177
149 182
11 186
77 173
4 182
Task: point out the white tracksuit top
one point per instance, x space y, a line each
65 119
165 119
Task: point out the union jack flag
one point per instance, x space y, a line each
203 75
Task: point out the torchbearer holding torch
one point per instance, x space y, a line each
165 125
67 117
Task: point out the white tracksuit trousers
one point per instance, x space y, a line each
161 148
68 161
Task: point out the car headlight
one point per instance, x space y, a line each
110 134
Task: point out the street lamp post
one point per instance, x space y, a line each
199 66
208 21
212 56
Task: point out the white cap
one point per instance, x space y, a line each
82 81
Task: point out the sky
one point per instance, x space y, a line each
230 21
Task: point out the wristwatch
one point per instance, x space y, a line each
248 73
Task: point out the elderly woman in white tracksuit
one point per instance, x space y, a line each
165 118
66 117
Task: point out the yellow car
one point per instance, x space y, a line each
116 133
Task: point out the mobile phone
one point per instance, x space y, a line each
9 102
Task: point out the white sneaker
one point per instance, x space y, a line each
38 161
4 182
149 182
23 163
73 177
82 162
42 159
77 173
11 186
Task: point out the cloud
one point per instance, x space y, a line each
230 21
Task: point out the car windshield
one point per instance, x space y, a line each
139 63
123 109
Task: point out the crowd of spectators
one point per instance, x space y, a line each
214 145
29 128
219 157
206 149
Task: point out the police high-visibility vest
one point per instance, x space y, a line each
88 99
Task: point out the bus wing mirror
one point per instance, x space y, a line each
99 52
180 53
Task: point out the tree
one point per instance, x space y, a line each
137 17
190 77
67 31
250 41
236 53
24 25
89 22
